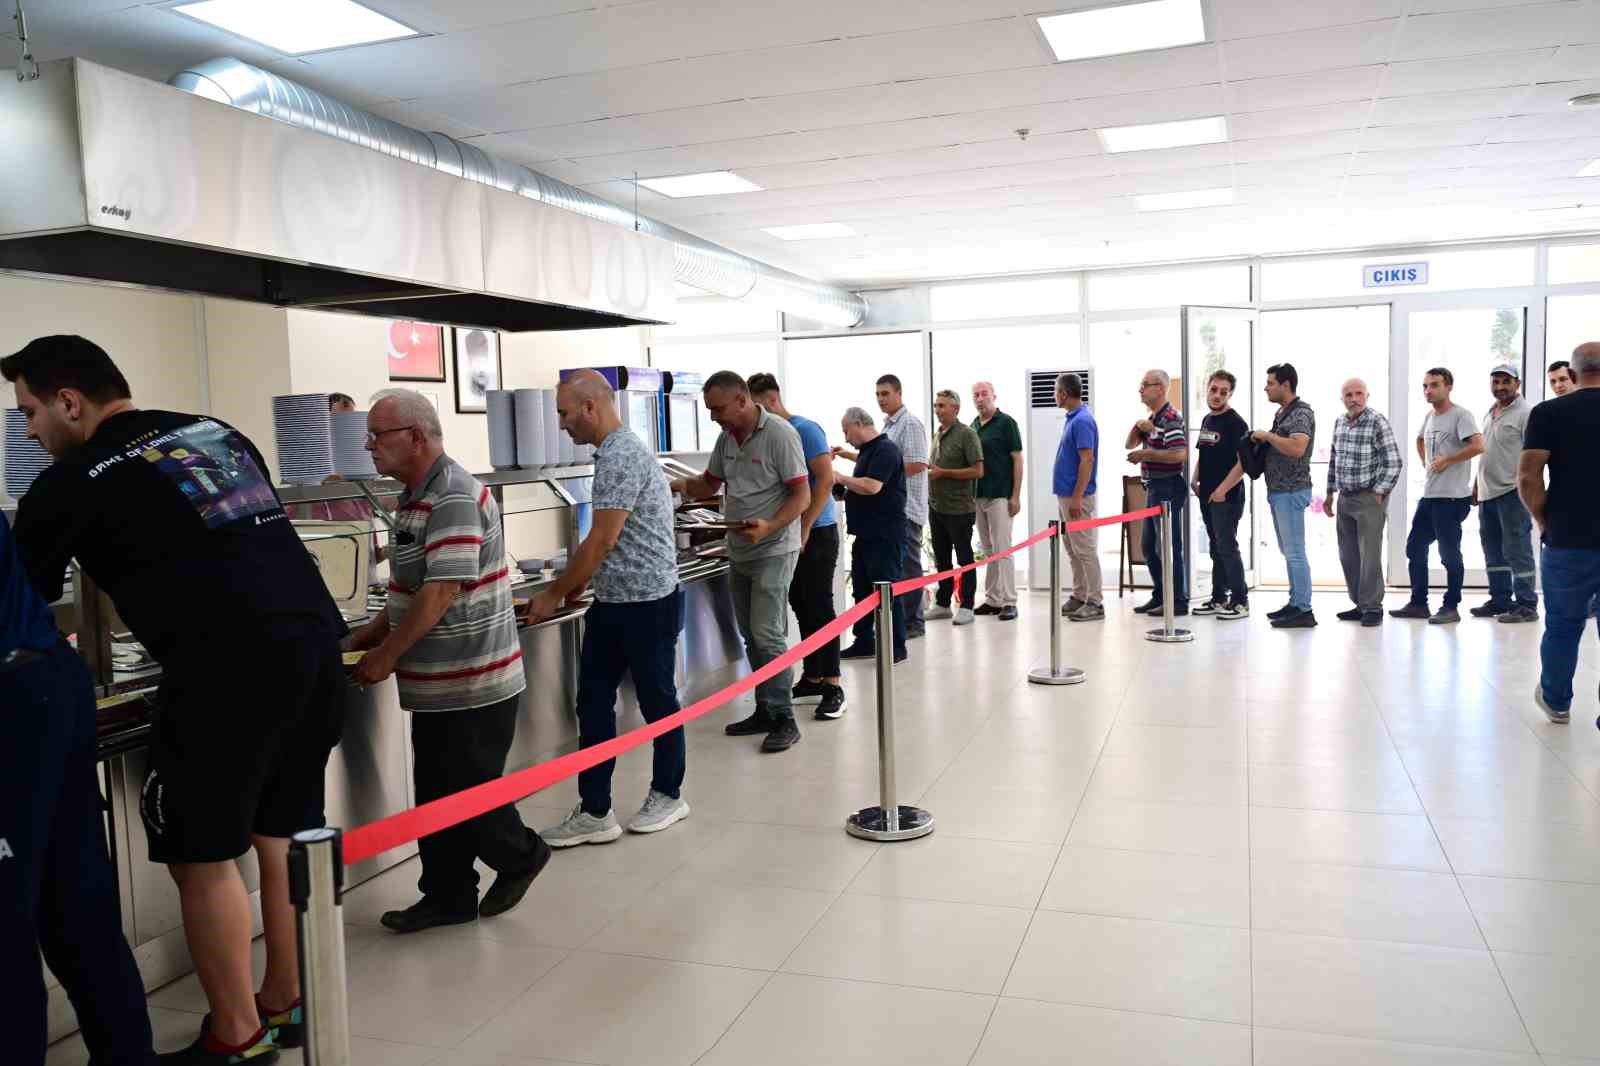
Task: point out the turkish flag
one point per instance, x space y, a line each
416 351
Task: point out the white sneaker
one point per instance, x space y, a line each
964 617
934 613
582 828
659 811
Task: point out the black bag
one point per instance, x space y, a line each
1253 457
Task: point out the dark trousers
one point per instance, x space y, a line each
640 639
58 891
872 560
954 531
1437 520
1173 490
1227 562
1506 531
456 750
911 566
811 597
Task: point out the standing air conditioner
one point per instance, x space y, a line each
1041 436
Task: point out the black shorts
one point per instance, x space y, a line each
241 747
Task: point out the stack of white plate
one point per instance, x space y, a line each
552 429
24 459
350 456
528 409
305 437
501 406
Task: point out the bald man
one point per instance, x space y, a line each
999 495
631 559
1363 468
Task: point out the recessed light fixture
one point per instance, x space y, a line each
1174 201
1108 31
298 26
711 183
1591 171
812 231
1213 130
1586 100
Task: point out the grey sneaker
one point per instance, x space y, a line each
964 617
1558 717
934 613
582 828
1444 616
1518 614
1071 606
1089 612
659 811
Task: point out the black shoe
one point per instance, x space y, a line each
759 722
1412 610
1371 619
1008 614
1520 613
808 691
1354 614
913 634
1283 612
987 608
859 651
1150 606
783 736
1180 610
508 889
289 1023
427 913
1445 616
1210 607
900 658
833 704
1490 609
263 1051
1298 620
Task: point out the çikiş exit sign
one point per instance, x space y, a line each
1390 275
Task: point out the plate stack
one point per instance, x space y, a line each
528 408
305 437
24 459
552 429
351 460
501 406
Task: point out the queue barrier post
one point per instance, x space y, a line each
889 820
1055 673
316 887
1168 633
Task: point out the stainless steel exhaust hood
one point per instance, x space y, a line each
113 177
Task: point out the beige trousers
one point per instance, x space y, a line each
1083 552
994 535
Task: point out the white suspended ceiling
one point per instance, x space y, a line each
1351 123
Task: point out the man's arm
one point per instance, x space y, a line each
821 467
1422 451
1294 445
1085 472
604 533
794 504
1530 483
861 486
1473 449
1226 485
46 536
1015 503
1135 437
1389 453
702 487
428 605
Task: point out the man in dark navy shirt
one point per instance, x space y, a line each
874 509
57 889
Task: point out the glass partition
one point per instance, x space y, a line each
827 375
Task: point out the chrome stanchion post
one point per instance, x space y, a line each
1168 633
888 820
1055 673
316 885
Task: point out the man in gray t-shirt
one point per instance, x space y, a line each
632 627
1446 446
1504 526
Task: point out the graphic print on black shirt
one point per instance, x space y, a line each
212 466
1218 445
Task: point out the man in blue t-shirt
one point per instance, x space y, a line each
811 591
58 892
1073 482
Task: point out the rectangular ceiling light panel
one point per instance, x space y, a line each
814 231
711 183
1109 31
1212 130
296 27
1175 201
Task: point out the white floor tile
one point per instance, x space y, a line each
1509 797
1542 917
1186 829
823 860
994 813
959 870
1346 837
1278 1047
1339 787
1028 1033
1361 903
1555 996
1148 884
1166 780
1541 850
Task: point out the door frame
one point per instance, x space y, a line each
1191 428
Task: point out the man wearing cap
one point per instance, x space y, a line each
1503 522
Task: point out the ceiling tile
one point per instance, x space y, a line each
1305 146
421 118
1168 105
1409 160
1288 121
1248 18
1359 45
1575 61
429 16
1496 30
1191 157
1447 107
1547 127
1472 72
1303 90
1552 97
1513 152
1166 68
1437 135
1292 171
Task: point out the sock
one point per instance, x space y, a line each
218 1047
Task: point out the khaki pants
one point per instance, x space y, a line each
1083 552
994 534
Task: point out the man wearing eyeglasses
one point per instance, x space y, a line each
448 635
1161 449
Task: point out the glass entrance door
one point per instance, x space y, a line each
1215 339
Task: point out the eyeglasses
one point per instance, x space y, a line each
374 434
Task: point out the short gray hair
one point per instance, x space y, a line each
1161 376
949 396
415 408
1586 359
857 416
1070 385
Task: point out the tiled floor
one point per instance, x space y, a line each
1317 848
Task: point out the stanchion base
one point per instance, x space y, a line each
1066 675
1177 636
869 824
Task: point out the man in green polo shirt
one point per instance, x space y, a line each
956 467
999 499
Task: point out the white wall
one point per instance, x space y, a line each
535 360
246 352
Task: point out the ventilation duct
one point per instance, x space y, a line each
696 262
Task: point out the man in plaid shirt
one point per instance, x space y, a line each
1364 467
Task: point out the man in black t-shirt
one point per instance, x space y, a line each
174 517
874 508
1560 436
1219 486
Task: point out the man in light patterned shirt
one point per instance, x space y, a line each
632 628
911 437
449 636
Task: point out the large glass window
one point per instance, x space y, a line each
707 357
1226 285
827 375
1573 263
1569 322
1005 299
1312 279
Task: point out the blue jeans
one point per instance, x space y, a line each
1437 519
639 639
911 566
1571 580
1506 530
1289 522
1173 490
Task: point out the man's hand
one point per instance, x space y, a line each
805 536
934 473
1327 505
1075 509
1218 495
373 669
1258 435
1014 506
1136 456
757 530
1144 425
1439 465
1474 494
1382 498
543 605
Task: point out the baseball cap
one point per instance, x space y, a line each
1508 370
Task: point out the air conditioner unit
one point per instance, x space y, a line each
1042 435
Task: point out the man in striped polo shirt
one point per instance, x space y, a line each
1161 448
449 636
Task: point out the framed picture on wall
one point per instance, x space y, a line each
477 368
416 351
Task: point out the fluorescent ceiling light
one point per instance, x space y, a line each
1590 171
1109 31
1213 130
812 231
298 26
711 183
1173 201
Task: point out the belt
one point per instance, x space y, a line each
18 658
